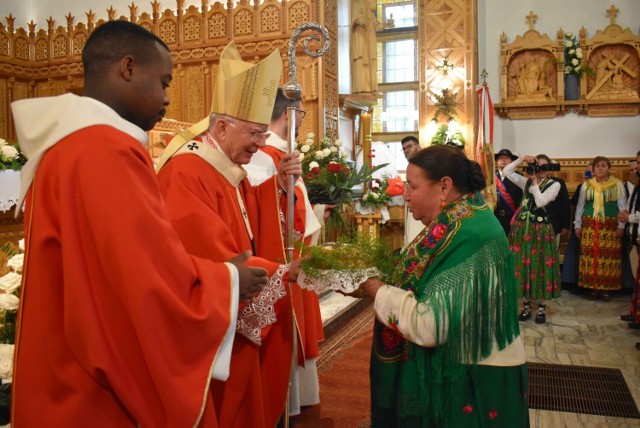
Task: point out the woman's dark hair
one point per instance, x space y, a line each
439 161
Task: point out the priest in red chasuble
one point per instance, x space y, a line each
217 212
304 383
118 326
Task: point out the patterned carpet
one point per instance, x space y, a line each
343 370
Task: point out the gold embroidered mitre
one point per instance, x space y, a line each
244 90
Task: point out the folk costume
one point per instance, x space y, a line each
509 195
117 325
446 345
217 214
532 239
601 250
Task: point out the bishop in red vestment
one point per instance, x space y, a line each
216 211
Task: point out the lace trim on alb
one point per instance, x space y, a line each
260 312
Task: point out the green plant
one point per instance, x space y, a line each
351 253
445 136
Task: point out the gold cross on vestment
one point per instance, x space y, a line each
532 17
613 12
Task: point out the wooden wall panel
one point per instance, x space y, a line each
47 62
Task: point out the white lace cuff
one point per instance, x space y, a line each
260 312
346 281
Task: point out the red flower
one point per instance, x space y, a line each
315 170
493 414
467 409
412 266
334 167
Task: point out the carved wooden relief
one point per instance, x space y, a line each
529 87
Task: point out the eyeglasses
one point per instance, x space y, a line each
302 113
255 136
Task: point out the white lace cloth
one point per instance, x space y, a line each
9 189
260 312
345 281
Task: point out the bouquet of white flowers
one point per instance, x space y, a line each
573 55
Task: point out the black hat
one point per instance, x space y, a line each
505 152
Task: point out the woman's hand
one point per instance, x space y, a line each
371 286
619 233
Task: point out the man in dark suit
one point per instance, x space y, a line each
509 194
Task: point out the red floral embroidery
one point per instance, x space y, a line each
493 414
439 231
412 266
467 409
390 339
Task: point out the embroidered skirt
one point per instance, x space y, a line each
600 255
482 396
537 261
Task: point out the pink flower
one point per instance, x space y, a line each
467 409
493 414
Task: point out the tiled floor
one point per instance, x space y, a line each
581 332
578 332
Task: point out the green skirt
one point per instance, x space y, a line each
480 396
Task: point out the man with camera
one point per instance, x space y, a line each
532 238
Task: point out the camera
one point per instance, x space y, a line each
534 167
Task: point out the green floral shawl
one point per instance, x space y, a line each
461 267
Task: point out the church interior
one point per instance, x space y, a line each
485 75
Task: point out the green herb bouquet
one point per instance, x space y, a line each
347 263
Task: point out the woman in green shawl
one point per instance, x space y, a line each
446 349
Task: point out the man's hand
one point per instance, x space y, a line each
294 269
619 233
251 279
578 233
289 165
623 216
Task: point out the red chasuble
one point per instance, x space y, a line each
204 209
118 325
306 303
